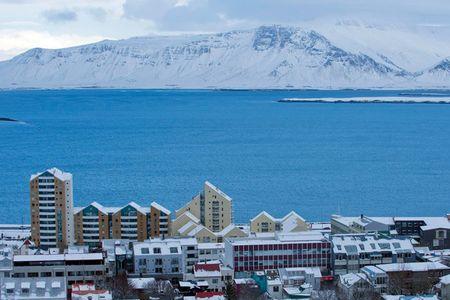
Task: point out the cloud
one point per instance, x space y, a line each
13 42
225 14
60 16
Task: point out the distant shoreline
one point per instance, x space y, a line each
382 99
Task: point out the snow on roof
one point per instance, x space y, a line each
436 223
135 206
186 227
55 172
372 270
365 220
203 246
293 214
227 230
369 243
190 216
57 257
198 229
165 247
160 208
413 267
304 237
288 272
207 269
141 283
348 280
263 213
445 279
217 190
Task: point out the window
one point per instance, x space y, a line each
276 288
215 281
173 250
158 261
145 251
441 234
156 250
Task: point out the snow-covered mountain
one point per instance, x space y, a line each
266 57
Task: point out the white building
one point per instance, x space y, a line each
89 292
298 276
33 288
74 267
211 251
351 252
214 273
159 258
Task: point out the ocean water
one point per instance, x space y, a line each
161 145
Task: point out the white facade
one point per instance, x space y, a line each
78 267
33 288
210 251
159 258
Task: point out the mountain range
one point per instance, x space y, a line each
266 57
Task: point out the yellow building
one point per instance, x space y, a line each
211 206
264 222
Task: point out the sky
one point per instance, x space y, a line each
25 24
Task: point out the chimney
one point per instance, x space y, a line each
448 217
362 216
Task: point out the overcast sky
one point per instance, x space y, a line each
25 24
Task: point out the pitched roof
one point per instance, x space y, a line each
263 213
61 175
217 190
160 208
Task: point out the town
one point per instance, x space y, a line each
198 252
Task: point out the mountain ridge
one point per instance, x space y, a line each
266 57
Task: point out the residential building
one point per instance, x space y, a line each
159 221
75 267
93 224
352 284
96 222
444 287
351 252
211 206
432 232
292 222
413 278
377 278
189 248
51 206
295 277
210 251
278 250
159 259
213 272
89 292
187 225
6 256
130 222
361 224
33 288
119 256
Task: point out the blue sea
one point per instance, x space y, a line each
161 145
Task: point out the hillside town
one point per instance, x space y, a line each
146 251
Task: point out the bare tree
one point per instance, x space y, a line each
121 288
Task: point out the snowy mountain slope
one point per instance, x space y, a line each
412 48
266 57
436 75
